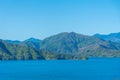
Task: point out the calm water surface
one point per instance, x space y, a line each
92 69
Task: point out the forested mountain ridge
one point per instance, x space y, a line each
10 51
114 37
60 46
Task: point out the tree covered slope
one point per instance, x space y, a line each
60 46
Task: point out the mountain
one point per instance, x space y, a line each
18 52
60 46
114 37
13 42
100 50
10 51
32 42
66 42
81 45
4 52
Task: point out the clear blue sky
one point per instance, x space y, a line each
21 19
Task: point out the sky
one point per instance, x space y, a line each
22 19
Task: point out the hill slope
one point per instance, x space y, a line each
32 42
114 37
73 43
61 46
23 52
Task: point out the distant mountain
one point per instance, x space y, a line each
82 45
13 42
67 42
4 52
100 50
32 42
17 52
22 52
114 37
60 46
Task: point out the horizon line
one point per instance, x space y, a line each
56 34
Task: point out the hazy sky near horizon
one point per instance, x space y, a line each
22 19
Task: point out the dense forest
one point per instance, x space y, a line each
63 46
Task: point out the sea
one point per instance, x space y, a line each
91 69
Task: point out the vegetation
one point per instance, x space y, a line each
63 46
114 37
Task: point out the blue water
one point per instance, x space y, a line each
92 69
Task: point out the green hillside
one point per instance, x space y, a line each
61 46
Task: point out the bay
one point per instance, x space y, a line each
91 69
